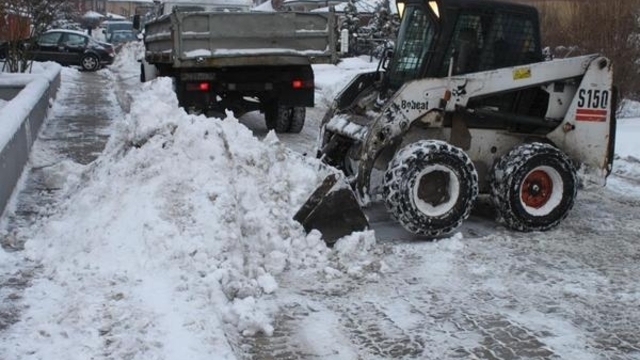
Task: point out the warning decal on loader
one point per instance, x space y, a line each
594 115
521 73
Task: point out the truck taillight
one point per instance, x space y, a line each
301 84
201 86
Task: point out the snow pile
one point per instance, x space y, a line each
358 256
330 82
125 72
5 258
627 151
628 109
127 58
43 67
35 67
181 216
32 89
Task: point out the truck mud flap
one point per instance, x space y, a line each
333 210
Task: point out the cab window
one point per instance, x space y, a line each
415 38
466 45
513 42
483 42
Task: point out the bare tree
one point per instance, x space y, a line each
609 27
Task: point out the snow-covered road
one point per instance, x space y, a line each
178 243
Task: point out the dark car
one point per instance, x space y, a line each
119 37
111 26
69 47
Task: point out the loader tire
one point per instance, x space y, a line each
430 187
533 187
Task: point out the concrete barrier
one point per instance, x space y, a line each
28 97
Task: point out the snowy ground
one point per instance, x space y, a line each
178 243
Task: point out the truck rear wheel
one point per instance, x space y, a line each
533 187
298 114
284 119
430 187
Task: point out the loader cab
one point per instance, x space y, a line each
461 36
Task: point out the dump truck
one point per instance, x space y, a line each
465 104
227 58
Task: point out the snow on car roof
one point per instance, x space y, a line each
116 21
67 31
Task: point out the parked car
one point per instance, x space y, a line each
119 37
69 47
111 26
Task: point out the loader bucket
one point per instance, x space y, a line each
333 210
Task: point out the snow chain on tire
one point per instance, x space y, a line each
430 187
533 187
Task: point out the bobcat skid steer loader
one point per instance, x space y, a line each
464 105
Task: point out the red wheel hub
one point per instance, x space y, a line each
536 189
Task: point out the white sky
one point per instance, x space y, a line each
163 249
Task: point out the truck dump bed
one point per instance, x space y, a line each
206 39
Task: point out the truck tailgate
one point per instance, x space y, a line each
199 39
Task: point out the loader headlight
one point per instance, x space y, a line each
434 7
400 6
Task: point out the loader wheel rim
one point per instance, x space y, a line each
536 189
436 190
541 190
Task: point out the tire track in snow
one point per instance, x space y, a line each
375 332
281 345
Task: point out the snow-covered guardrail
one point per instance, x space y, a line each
28 97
